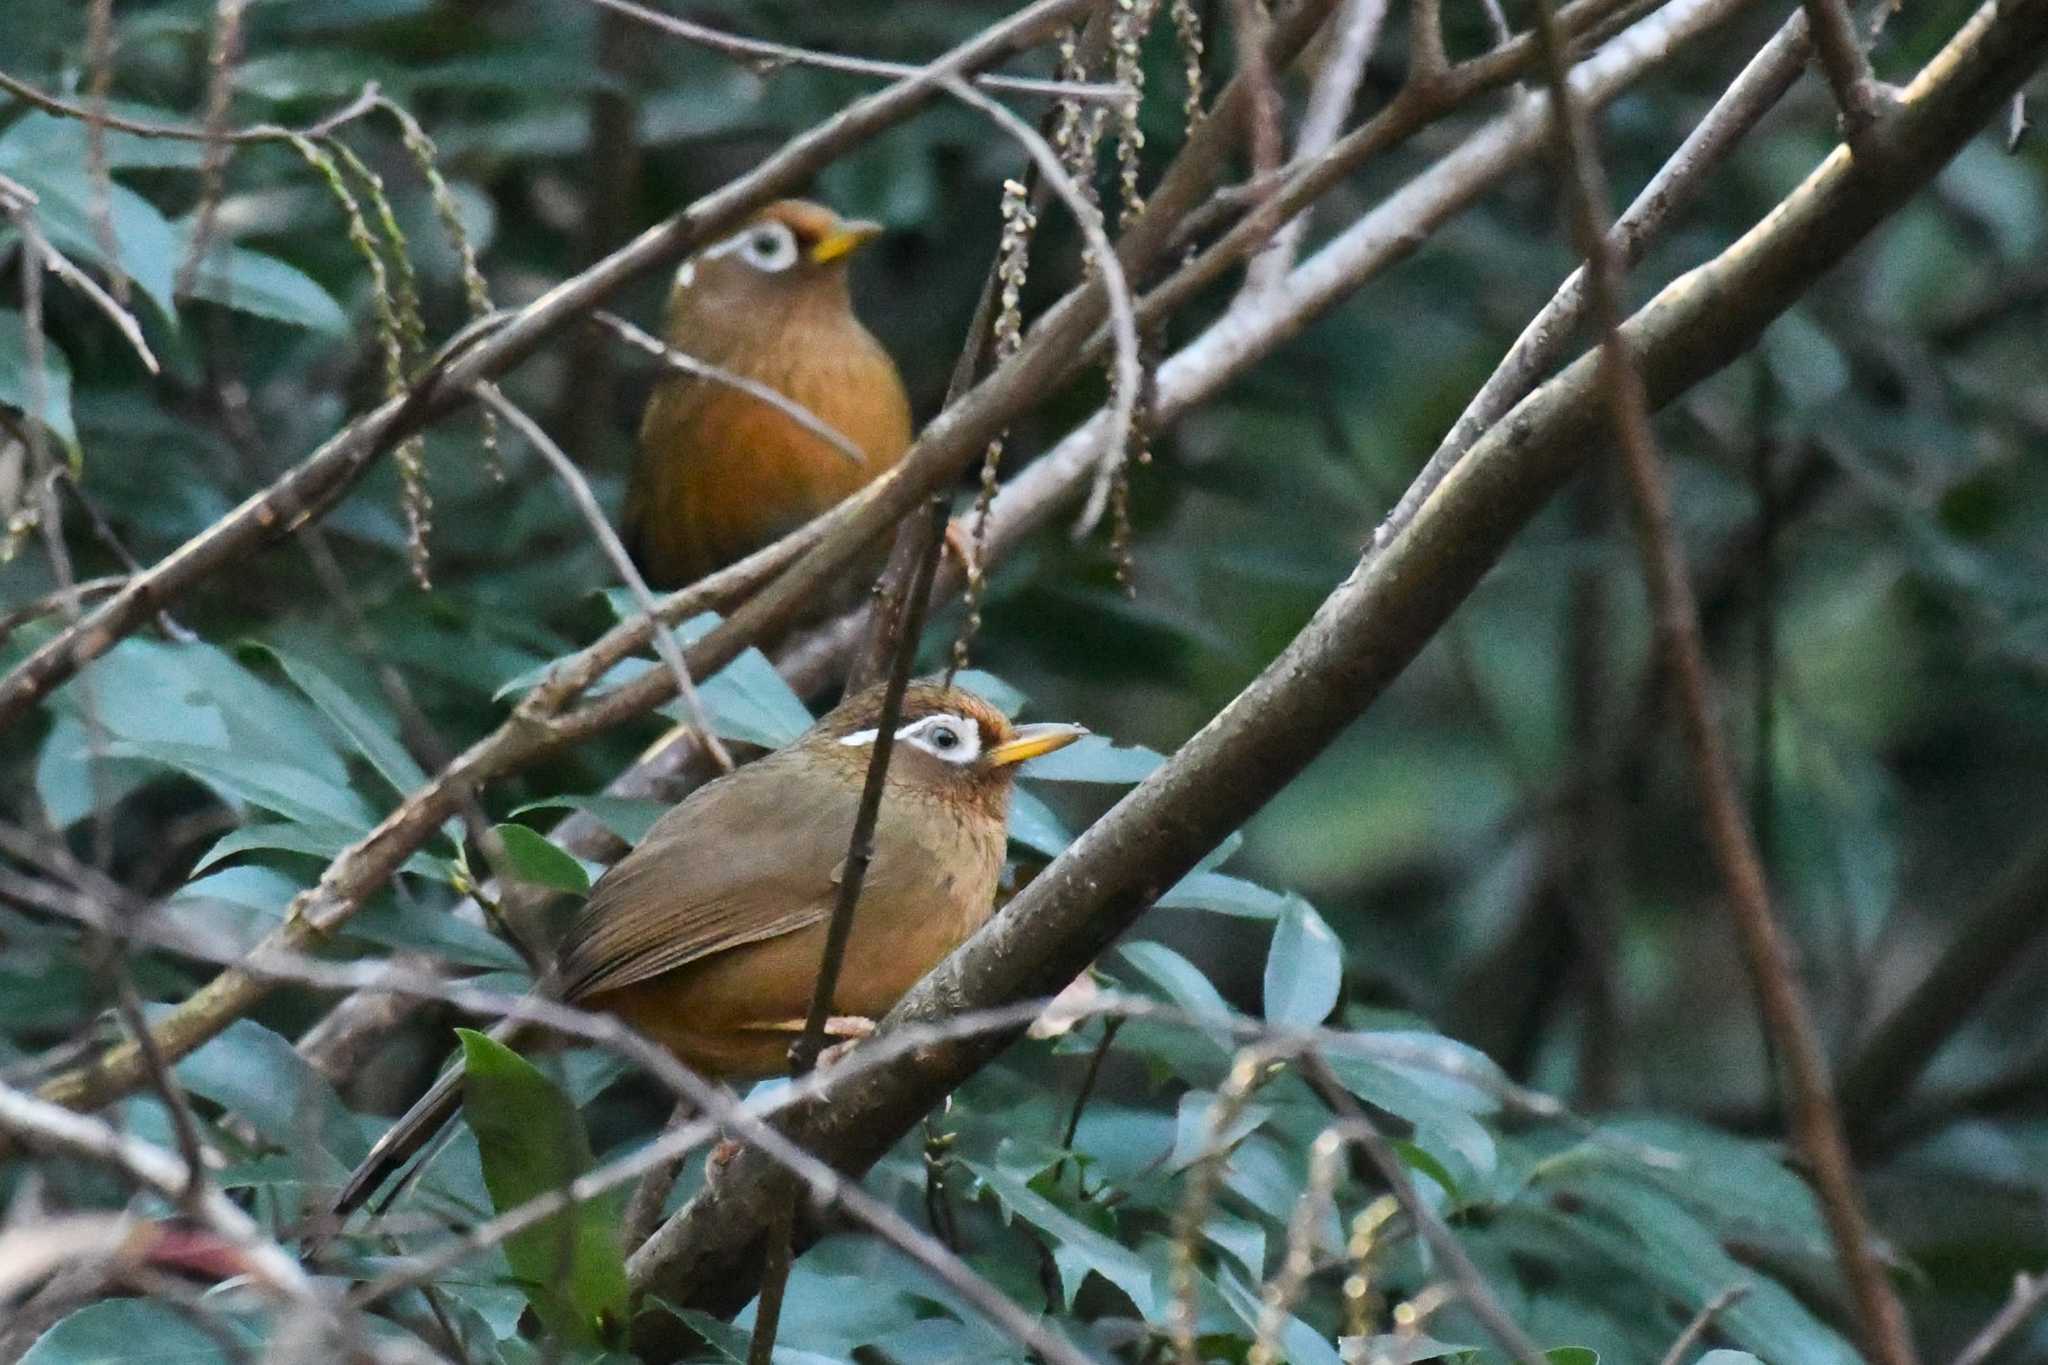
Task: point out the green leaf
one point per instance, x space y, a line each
14 387
141 1330
731 1342
146 243
251 282
257 1076
1223 894
747 700
371 736
531 858
1033 825
1304 968
46 138
1118 1264
1572 1355
292 792
1097 758
1300 1344
392 923
532 1142
1401 1350
1184 984
319 841
1192 1135
629 817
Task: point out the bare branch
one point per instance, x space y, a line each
46 1127
621 562
1864 101
1472 1285
684 363
1752 94
363 103
763 56
1701 1321
2029 1292
1357 26
1787 1018
1367 630
328 472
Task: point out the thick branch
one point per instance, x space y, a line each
1358 641
330 470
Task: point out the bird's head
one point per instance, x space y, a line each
791 252
948 740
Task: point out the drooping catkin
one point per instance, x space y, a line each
1013 261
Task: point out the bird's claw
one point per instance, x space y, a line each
849 1029
959 543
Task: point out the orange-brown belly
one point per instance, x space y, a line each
734 1014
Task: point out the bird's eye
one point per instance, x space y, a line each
947 738
770 248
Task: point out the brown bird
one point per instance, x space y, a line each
708 936
719 472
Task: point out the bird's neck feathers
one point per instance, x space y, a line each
745 324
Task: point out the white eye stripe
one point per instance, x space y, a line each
948 738
765 246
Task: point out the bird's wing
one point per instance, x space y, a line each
749 857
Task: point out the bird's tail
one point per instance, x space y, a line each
414 1129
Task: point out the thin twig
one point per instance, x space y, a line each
322 477
1478 1294
16 198
1701 1321
1369 629
2029 1292
1787 1019
99 57
1864 102
622 563
55 600
762 56
1677 183
860 852
1357 29
684 363
364 101
48 1127
220 78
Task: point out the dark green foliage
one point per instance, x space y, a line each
1431 891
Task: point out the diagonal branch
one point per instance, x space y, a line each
760 55
1752 94
1787 1018
329 471
1357 642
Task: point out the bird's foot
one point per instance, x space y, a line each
721 1157
959 543
849 1029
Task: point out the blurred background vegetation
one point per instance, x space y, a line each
1505 845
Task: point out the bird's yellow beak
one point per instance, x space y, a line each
849 238
1032 740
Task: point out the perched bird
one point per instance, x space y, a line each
719 472
708 936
